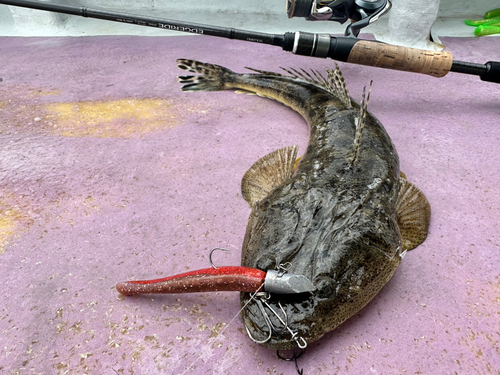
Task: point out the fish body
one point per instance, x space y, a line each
343 216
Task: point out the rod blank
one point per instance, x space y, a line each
346 49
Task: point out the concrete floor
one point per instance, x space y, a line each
109 172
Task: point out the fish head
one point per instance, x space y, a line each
284 321
348 268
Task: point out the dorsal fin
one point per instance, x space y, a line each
360 122
334 83
303 75
337 85
267 173
413 214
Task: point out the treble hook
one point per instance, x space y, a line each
261 295
285 322
261 298
210 255
296 354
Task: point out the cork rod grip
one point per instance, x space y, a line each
382 55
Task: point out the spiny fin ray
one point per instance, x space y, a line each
334 83
360 122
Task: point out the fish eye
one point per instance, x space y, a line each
325 287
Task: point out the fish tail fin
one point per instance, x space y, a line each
212 77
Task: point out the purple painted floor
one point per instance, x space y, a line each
109 172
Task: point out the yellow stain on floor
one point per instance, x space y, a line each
7 228
122 118
18 213
14 214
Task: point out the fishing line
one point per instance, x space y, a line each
347 49
252 297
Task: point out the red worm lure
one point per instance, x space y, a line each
221 279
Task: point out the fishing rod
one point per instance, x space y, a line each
347 49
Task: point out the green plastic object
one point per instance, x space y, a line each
492 13
483 30
483 22
487 26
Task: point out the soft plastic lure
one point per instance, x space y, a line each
221 279
486 21
483 30
492 13
487 26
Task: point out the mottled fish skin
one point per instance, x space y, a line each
334 220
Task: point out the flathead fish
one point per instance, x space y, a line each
342 215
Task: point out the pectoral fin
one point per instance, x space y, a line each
267 173
413 214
